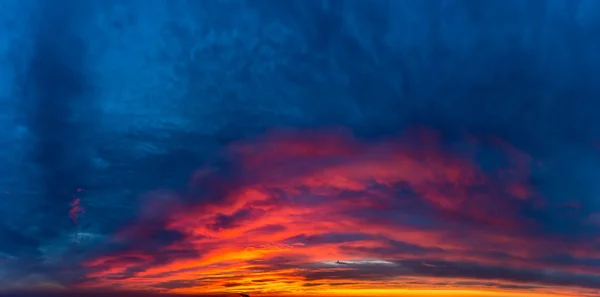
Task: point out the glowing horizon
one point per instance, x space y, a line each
323 213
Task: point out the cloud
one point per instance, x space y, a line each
56 84
59 293
52 86
310 207
277 147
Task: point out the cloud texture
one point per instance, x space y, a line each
285 148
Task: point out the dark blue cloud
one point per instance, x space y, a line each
55 95
105 293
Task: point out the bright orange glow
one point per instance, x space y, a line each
324 214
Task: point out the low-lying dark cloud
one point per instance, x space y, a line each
101 294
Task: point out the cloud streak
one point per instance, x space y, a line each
314 211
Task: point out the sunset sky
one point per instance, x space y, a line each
352 148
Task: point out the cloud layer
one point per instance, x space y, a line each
353 148
307 211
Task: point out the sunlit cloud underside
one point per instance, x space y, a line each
324 213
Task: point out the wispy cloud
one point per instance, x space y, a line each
321 211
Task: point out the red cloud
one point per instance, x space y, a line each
306 203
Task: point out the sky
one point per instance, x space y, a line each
299 148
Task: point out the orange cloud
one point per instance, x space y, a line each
325 213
